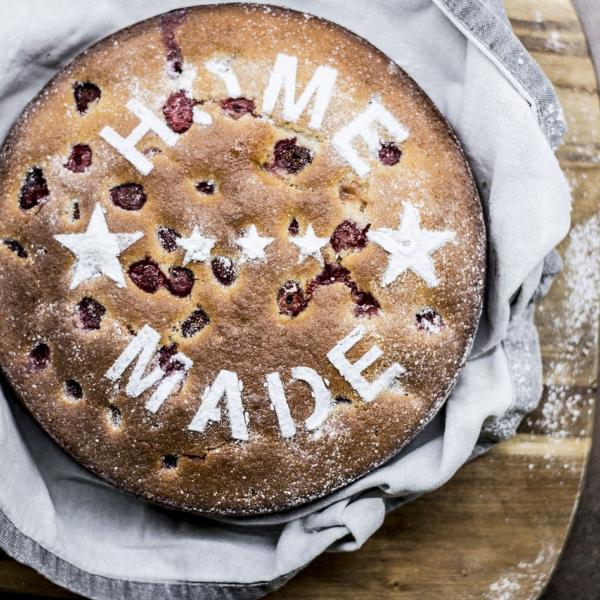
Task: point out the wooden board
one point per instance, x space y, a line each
495 531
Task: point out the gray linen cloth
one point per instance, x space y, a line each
102 543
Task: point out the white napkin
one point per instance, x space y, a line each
102 543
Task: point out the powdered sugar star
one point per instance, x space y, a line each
96 250
309 245
197 246
253 245
410 247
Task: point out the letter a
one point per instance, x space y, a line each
226 384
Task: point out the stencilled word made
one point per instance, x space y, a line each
316 98
227 388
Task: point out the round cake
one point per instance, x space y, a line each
242 259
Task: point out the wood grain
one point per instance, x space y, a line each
467 537
496 529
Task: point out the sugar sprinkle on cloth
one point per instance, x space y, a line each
97 541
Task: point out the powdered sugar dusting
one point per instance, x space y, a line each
528 577
575 328
582 286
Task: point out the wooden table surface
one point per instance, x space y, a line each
496 529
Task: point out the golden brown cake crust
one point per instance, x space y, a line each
424 326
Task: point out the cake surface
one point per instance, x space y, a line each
242 259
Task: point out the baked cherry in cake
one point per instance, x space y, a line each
206 187
289 156
224 270
73 389
389 153
147 275
237 107
194 323
39 357
128 196
16 247
80 159
85 93
348 235
34 190
180 281
291 299
90 313
179 112
242 259
167 237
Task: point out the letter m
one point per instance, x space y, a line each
283 76
143 348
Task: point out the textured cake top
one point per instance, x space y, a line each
242 258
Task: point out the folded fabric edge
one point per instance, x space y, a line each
496 39
522 348
493 35
98 587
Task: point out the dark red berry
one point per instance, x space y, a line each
224 270
237 107
90 313
197 321
166 361
429 320
181 281
168 25
342 400
80 159
349 236
146 274
128 196
168 238
15 247
115 416
331 273
39 357
73 389
34 190
294 227
291 299
179 112
165 354
366 304
389 153
289 157
169 461
206 187
85 93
